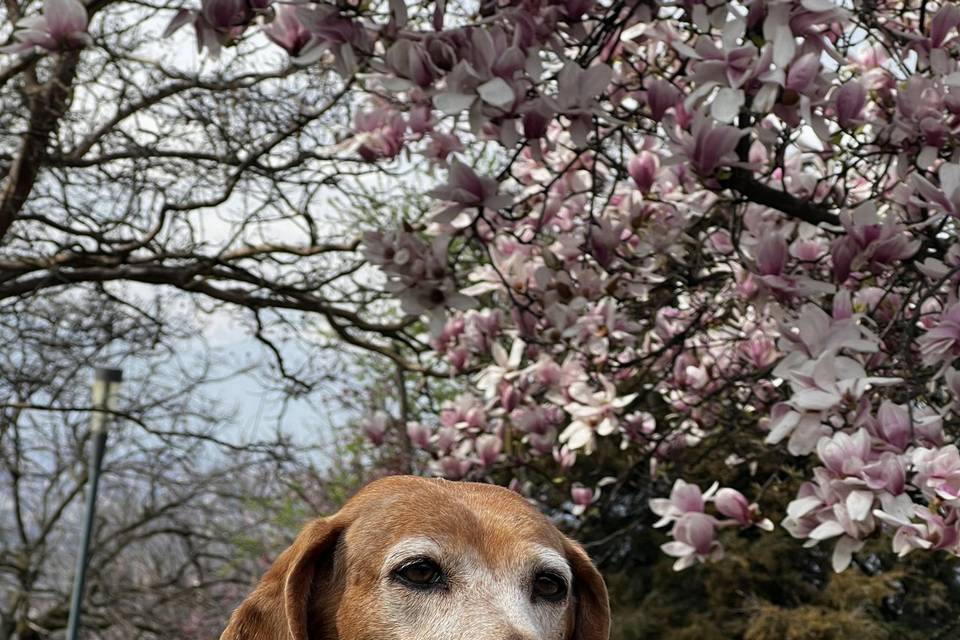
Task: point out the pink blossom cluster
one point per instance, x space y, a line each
465 438
893 470
694 531
418 273
664 220
62 25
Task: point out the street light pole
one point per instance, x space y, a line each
106 387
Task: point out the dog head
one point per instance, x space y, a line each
416 559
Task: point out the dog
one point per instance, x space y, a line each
411 558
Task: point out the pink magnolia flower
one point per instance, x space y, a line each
287 31
849 101
661 95
869 245
813 499
760 350
505 367
62 25
374 427
482 327
582 498
694 541
509 396
581 495
543 442
332 33
938 473
225 14
886 474
419 435
593 413
842 306
418 274
771 255
785 21
420 119
941 344
486 78
946 197
218 23
944 21
821 384
637 427
921 107
803 428
733 504
709 146
488 447
452 330
578 90
330 26
928 427
815 333
467 190
830 508
465 412
807 250
603 239
720 240
730 70
643 169
802 72
564 457
454 467
843 454
537 116
411 60
935 532
531 419
893 425
684 498
446 438
442 146
379 130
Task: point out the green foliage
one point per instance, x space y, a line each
768 586
771 588
812 623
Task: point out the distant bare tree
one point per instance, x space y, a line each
132 161
185 519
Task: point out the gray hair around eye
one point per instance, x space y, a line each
551 561
407 550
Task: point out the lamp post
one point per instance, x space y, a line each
105 391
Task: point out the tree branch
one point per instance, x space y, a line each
46 109
743 183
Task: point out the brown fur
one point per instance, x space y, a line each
324 586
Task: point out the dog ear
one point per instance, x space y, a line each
591 604
282 605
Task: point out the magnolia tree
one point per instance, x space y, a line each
659 222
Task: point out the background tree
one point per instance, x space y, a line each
186 519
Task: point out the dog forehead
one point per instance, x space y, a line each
494 522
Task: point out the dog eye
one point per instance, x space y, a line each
549 586
420 573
